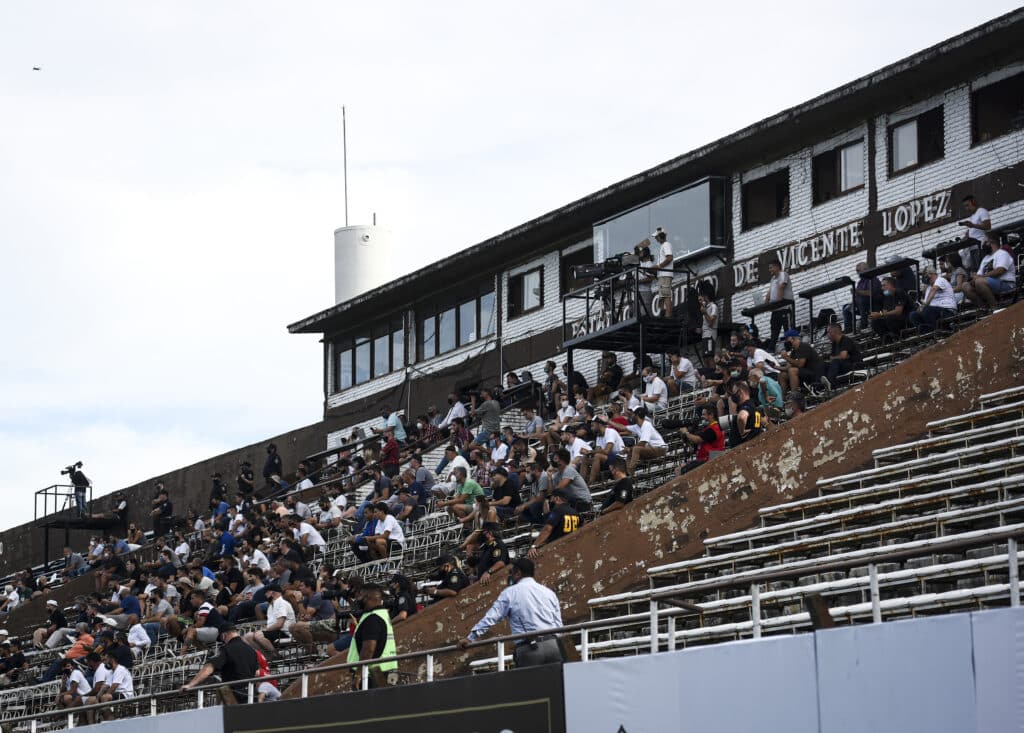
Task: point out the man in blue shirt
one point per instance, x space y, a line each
227 544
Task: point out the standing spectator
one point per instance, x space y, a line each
801 364
978 224
708 438
939 302
779 288
162 513
489 414
390 454
393 421
622 490
81 486
272 470
529 607
708 325
456 410
664 271
996 274
845 352
867 291
891 318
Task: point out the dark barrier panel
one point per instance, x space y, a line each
519 701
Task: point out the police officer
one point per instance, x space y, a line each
528 606
245 480
493 553
561 520
452 579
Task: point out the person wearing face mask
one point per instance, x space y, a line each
747 422
868 290
891 318
456 409
566 415
938 302
802 363
708 437
656 392
650 444
529 607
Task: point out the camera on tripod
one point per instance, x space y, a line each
71 469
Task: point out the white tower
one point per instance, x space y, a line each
364 258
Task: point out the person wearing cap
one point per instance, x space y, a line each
56 629
403 599
235 661
12 665
801 363
280 617
661 284
407 507
492 555
452 579
529 607
560 521
939 302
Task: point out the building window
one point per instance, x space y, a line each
397 346
916 142
444 326
362 361
343 368
837 171
526 292
766 199
381 360
369 355
997 109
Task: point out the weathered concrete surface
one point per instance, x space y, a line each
612 554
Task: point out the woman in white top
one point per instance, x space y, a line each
939 302
953 270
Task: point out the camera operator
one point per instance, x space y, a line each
707 436
81 484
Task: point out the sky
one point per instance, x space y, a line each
171 177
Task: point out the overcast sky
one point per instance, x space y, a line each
171 177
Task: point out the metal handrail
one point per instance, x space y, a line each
681 607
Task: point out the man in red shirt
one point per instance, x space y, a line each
389 454
708 437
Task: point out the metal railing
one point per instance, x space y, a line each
669 596
57 498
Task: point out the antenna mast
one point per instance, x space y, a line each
344 158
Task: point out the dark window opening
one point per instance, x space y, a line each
456 321
917 141
837 171
525 292
371 354
766 199
997 109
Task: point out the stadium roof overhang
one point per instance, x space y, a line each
916 77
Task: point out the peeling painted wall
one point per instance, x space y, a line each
612 554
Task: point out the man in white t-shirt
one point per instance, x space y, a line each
708 325
779 288
280 617
577 447
607 446
683 373
939 302
387 533
978 223
656 392
649 444
117 685
330 513
75 687
662 285
996 274
758 358
306 534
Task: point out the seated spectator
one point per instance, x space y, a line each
650 445
56 629
608 445
707 437
867 290
561 520
801 363
534 428
403 599
795 405
138 640
655 395
387 535
939 302
521 454
504 492
768 392
629 398
954 271
74 686
74 564
758 358
381 492
683 374
622 490
747 422
579 449
891 318
157 612
446 470
997 274
306 535
456 410
407 508
467 491
568 480
609 379
207 626
330 514
538 483
280 617
452 579
845 353
392 421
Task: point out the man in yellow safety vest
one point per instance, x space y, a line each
374 638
